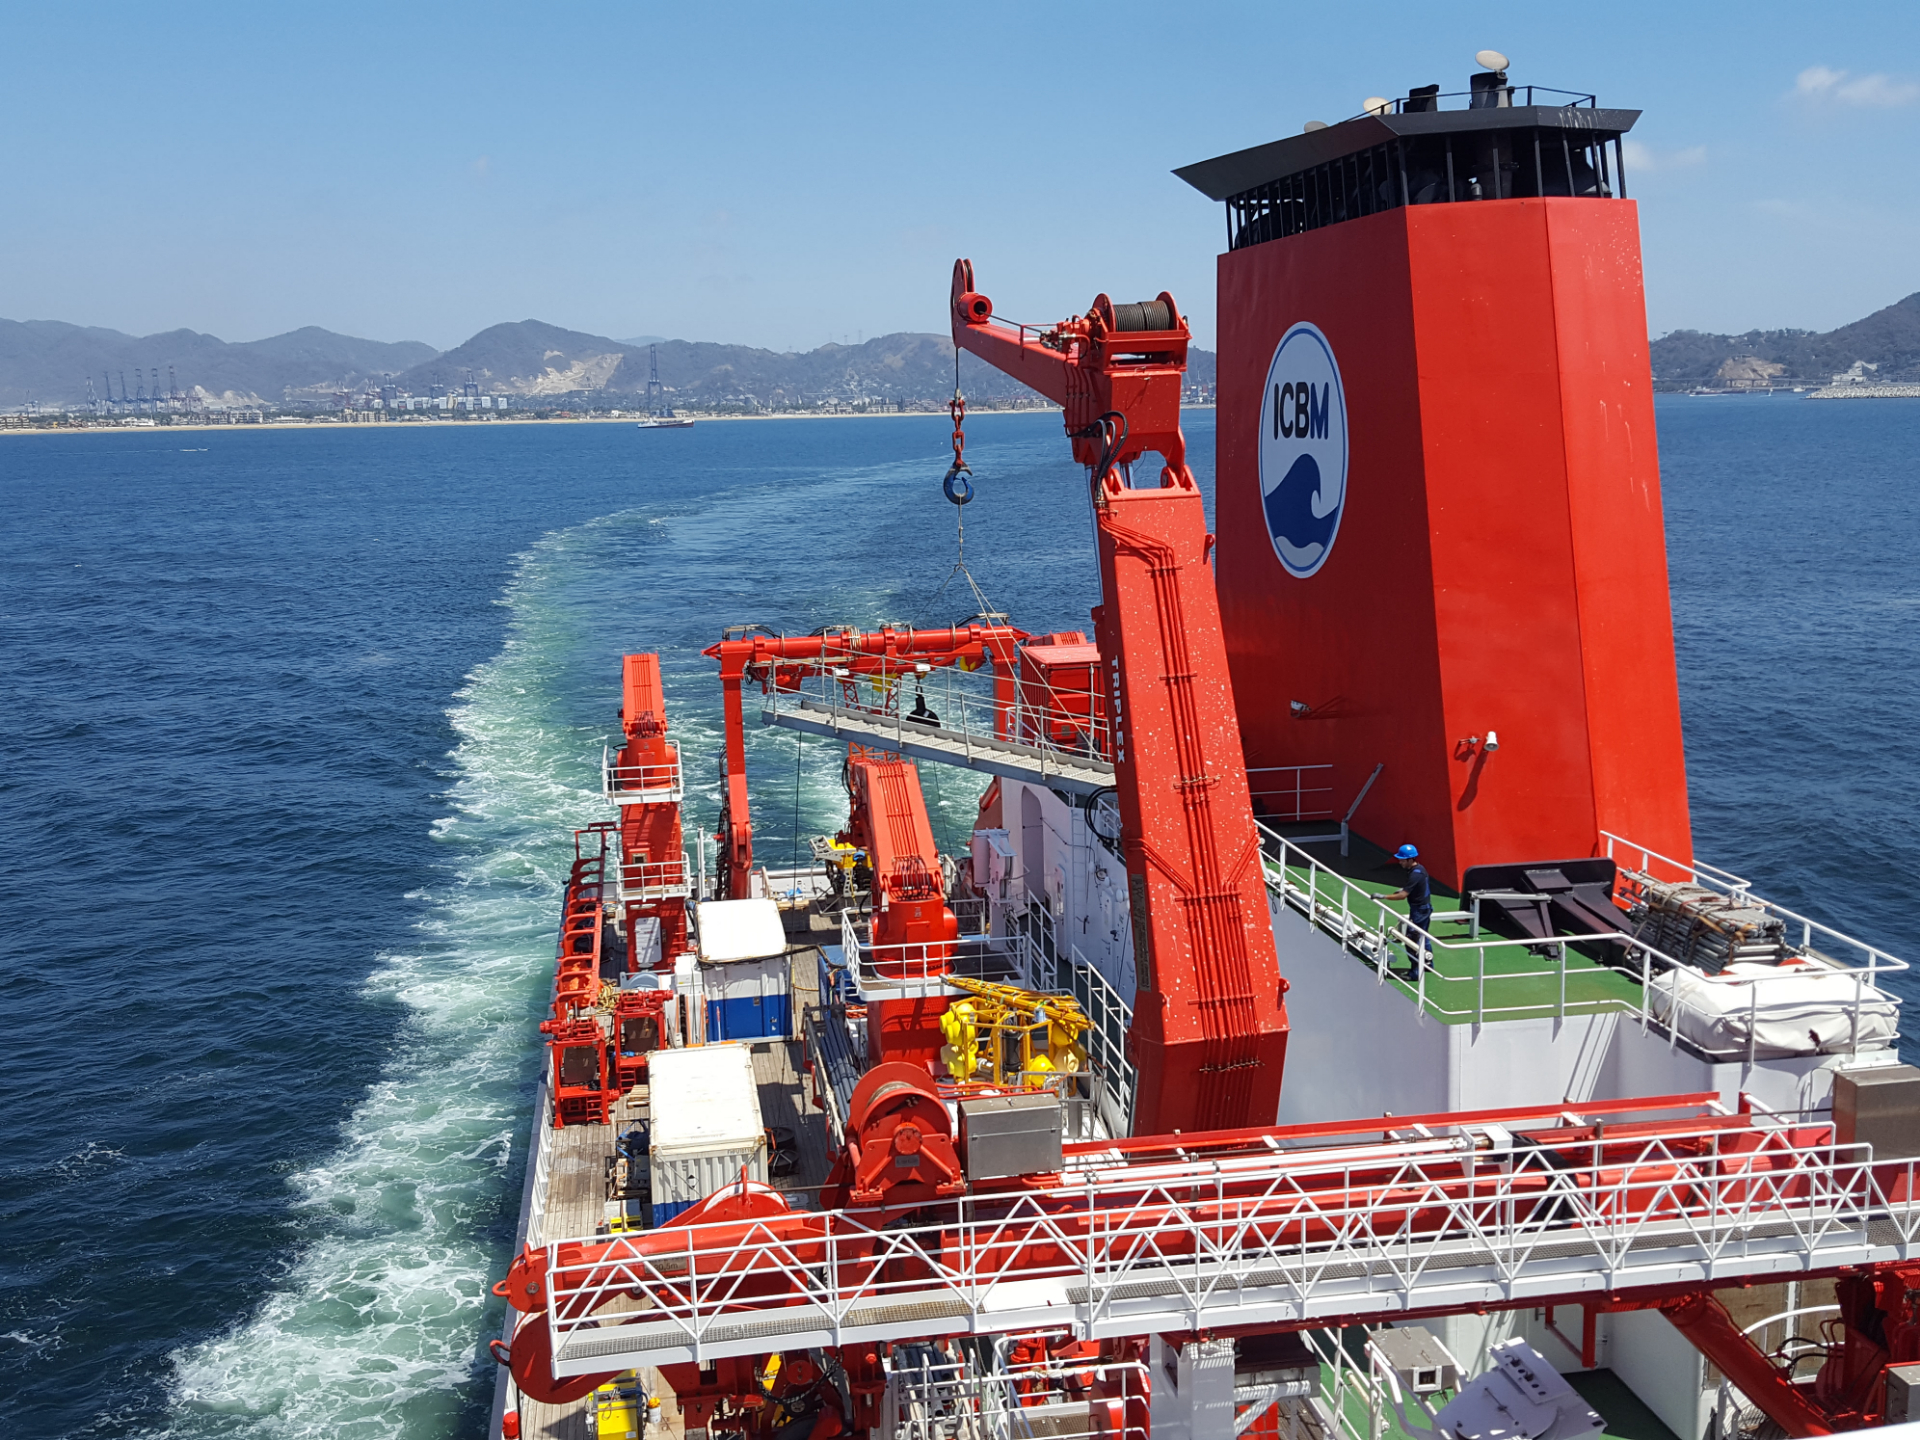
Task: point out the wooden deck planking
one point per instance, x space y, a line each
576 1194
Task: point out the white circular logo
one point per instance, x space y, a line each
1303 450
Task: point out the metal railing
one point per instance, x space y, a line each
1337 1233
542 1170
1738 1418
1114 1079
976 721
1466 979
640 784
1284 798
1501 97
931 1397
919 970
1814 938
644 880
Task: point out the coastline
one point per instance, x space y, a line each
203 427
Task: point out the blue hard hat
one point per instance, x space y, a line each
1407 852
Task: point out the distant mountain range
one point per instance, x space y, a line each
533 359
52 363
1888 340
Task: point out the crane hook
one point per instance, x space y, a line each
958 484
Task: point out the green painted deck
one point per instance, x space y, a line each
1499 981
1627 1416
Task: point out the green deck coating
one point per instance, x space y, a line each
1627 1416
1454 994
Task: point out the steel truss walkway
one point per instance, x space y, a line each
1038 764
1267 1228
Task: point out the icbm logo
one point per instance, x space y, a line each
1303 450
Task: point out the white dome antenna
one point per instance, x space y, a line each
1490 60
1377 105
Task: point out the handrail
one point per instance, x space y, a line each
969 717
1740 891
1299 791
1115 1078
916 969
1277 1235
1363 923
925 1399
661 783
643 880
1575 99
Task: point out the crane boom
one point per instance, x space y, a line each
1210 1022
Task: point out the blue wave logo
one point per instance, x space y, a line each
1303 450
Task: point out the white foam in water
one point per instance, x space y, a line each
372 1330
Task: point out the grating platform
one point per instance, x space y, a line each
1074 774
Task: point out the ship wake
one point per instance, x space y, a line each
373 1328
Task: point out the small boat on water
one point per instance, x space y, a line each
668 421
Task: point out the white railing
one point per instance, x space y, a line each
1333 1234
542 1164
1111 1073
978 723
918 970
644 880
1469 974
1283 792
933 1399
1812 938
641 784
1738 1418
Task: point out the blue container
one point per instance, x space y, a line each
748 999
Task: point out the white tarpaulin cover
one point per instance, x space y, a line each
1798 1007
705 1100
740 930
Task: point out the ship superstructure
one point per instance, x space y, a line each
1157 1111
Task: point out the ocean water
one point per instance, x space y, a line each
294 727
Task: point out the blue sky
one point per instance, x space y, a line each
783 175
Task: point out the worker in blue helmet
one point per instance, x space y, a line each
1418 893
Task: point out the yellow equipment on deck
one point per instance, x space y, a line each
1005 1035
622 1409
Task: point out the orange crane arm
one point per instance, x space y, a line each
1210 1025
778 660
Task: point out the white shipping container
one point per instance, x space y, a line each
706 1124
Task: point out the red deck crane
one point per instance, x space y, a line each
1210 1023
645 780
781 661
